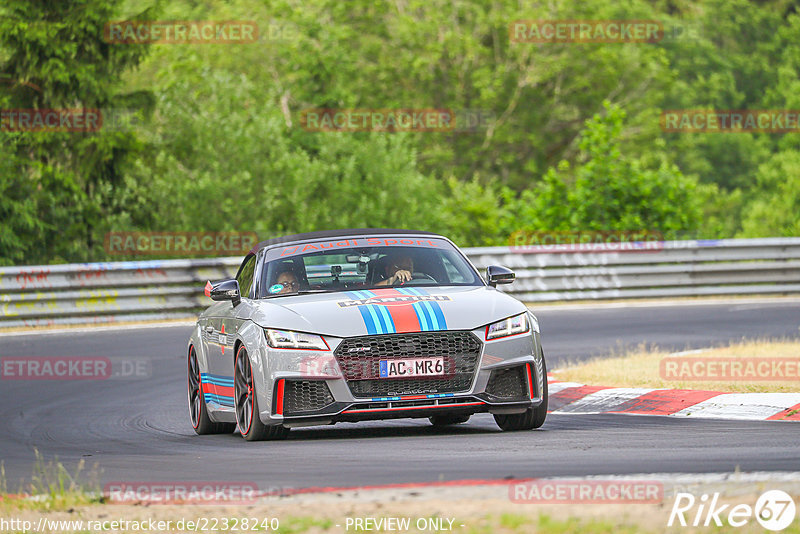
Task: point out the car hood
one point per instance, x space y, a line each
387 311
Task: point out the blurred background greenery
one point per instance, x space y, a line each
213 140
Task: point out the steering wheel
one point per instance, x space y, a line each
420 277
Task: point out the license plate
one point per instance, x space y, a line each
412 367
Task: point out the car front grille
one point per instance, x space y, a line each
359 359
509 383
305 396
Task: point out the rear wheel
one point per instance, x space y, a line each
446 420
532 417
247 419
198 412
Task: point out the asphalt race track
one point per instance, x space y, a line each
137 429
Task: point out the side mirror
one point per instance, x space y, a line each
496 274
224 290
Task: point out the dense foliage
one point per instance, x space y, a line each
571 139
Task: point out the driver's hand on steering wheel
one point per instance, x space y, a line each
401 276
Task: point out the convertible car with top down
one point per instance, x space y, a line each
355 325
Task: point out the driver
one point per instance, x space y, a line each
398 269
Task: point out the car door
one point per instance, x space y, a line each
219 334
234 318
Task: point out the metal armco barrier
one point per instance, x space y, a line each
162 289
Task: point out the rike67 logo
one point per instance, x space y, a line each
774 510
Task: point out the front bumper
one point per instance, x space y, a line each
506 377
352 413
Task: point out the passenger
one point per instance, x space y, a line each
289 281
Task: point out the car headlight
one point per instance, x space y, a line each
508 327
286 339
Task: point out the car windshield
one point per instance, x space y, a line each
355 264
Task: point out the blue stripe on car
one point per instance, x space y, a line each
375 319
387 319
424 324
433 309
219 399
437 310
368 321
217 380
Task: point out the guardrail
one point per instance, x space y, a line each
162 289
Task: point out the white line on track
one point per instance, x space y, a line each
744 406
103 328
753 303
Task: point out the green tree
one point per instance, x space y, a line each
70 179
777 211
608 191
238 163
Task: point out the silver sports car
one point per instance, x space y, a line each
351 325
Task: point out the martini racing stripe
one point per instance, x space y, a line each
217 389
427 315
219 399
376 318
403 316
428 312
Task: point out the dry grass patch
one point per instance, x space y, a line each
643 368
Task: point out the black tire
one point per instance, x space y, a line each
198 412
532 417
246 401
446 420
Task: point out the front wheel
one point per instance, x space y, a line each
250 425
198 412
530 418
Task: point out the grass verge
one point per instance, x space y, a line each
643 368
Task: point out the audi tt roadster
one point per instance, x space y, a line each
354 325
